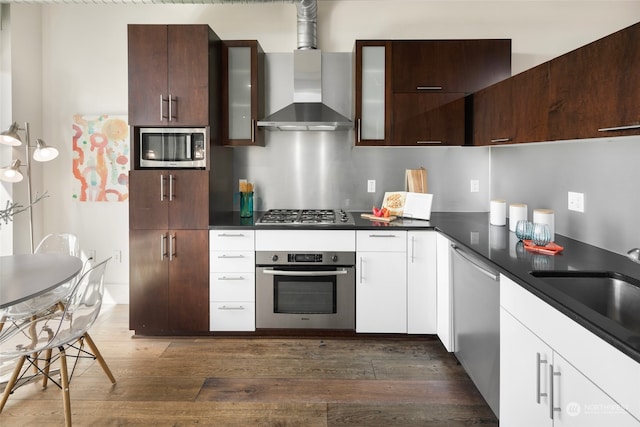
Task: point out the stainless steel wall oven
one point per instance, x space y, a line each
305 290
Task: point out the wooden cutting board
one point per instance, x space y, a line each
372 217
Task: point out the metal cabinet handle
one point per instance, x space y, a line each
230 235
615 128
162 195
361 270
495 140
172 246
552 407
163 246
225 256
224 307
428 87
162 116
382 235
171 195
172 99
413 249
358 130
428 142
539 361
253 130
230 278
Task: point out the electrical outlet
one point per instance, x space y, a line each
576 201
475 185
371 186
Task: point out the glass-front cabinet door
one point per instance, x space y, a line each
242 92
373 92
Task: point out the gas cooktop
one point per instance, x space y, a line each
306 217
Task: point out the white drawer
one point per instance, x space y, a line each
232 287
232 316
231 240
381 241
232 261
305 240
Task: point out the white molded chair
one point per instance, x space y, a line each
66 331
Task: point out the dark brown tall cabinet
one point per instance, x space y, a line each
412 92
174 81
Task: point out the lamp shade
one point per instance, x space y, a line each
11 173
43 152
10 136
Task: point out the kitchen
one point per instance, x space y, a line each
450 169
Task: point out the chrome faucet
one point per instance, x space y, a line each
634 255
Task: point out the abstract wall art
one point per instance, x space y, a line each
101 152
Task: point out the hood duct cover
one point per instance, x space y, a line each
307 111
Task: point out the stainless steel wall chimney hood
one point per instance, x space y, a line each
307 111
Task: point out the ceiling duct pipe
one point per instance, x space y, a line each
307 24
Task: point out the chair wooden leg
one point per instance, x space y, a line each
47 361
66 399
12 382
101 361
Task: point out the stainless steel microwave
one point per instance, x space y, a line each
173 147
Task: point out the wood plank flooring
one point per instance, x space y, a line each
228 381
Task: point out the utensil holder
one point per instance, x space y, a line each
246 204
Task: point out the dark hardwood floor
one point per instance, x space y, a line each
228 381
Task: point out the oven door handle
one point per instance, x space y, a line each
339 272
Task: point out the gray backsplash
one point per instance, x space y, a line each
605 170
325 170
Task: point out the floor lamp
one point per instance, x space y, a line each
42 153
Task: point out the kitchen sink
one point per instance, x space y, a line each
610 294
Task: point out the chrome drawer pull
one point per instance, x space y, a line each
382 235
230 235
230 256
539 361
615 128
224 307
429 87
231 278
428 142
502 140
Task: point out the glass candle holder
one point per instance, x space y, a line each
541 234
524 229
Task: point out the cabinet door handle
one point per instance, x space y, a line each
172 99
615 128
224 256
496 140
172 246
552 407
163 246
361 270
428 87
162 195
171 195
253 130
231 278
382 235
428 142
230 235
539 361
359 122
162 100
413 249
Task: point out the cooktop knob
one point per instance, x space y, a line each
274 258
334 258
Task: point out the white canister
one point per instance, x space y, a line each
498 212
545 216
517 211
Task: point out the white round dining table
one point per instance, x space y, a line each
25 276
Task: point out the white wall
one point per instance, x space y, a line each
84 66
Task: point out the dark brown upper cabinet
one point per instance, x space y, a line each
171 68
513 110
411 92
594 90
242 92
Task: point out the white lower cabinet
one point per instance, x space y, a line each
538 386
381 281
232 281
444 306
421 282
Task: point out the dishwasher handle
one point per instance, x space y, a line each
484 270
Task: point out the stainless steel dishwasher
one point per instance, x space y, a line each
476 322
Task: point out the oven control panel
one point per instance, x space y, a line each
314 258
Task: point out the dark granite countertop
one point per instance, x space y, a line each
501 247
